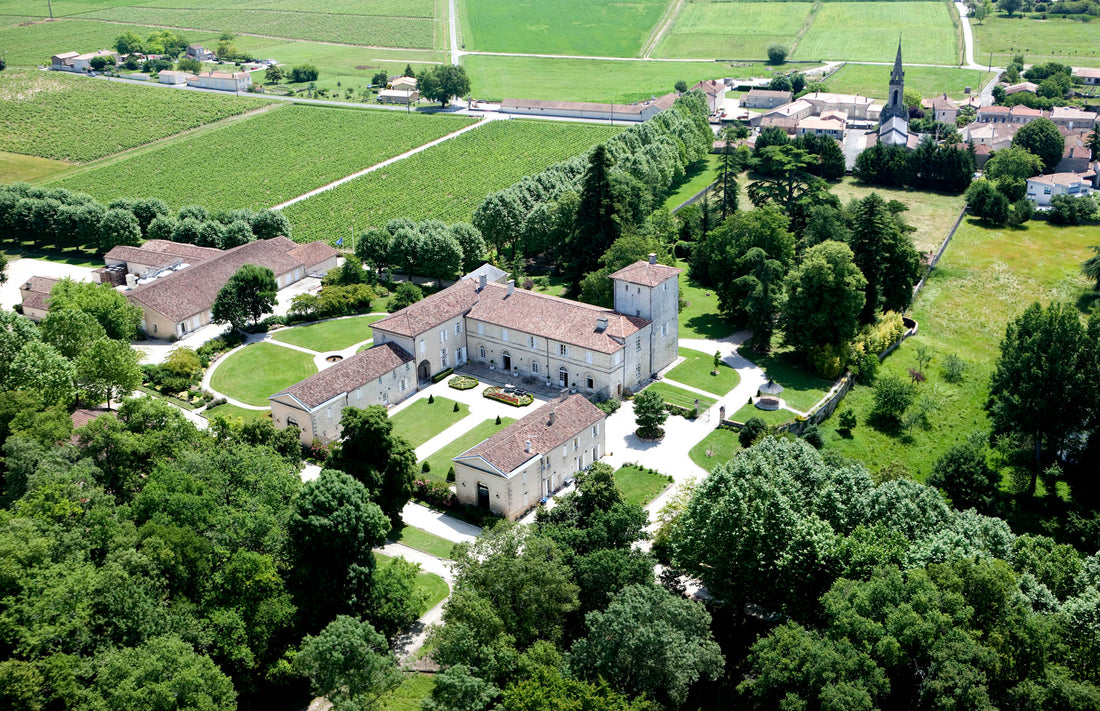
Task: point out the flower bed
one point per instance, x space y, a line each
463 382
498 394
434 493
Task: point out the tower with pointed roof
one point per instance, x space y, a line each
895 103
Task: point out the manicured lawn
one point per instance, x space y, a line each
410 694
772 417
256 372
699 175
1054 39
697 371
421 421
986 278
334 335
604 28
440 462
423 541
435 586
699 317
678 396
802 386
933 214
640 486
872 80
717 447
15 167
233 411
732 30
867 31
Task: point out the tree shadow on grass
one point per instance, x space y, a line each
1087 301
710 326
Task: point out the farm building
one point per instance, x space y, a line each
642 111
531 458
170 76
1089 76
1073 118
81 63
222 81
200 53
35 295
1043 188
401 90
1022 86
63 62
765 99
796 110
381 375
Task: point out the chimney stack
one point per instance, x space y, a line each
527 447
652 258
481 282
551 420
511 286
601 324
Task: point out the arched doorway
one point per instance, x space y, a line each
506 361
563 377
424 370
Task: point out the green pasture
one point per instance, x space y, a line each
271 157
772 417
59 8
681 397
232 412
986 278
698 372
717 447
1052 40
733 30
640 486
422 420
334 335
33 45
868 32
603 28
802 386
260 370
932 214
699 318
15 167
445 182
697 176
435 586
421 540
440 462
873 80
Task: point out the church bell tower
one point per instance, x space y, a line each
895 104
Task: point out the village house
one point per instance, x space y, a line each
1073 118
857 107
830 123
765 99
1018 114
81 63
1089 76
221 81
174 78
402 90
1043 188
199 53
1075 159
510 472
1022 86
35 296
943 109
641 111
794 111
715 92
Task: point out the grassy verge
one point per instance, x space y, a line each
698 372
410 695
429 543
680 397
15 167
698 175
772 417
640 486
440 462
233 411
699 317
335 335
256 372
435 586
421 421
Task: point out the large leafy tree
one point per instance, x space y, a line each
762 295
248 295
1041 138
162 674
785 178
40 368
885 255
350 664
825 295
1044 385
118 317
70 331
107 370
118 227
384 462
443 83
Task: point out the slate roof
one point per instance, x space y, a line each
645 274
507 450
347 375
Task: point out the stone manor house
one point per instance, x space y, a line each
523 335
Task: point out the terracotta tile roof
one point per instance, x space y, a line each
37 284
431 311
624 109
830 98
142 256
507 450
1067 179
1070 113
191 251
994 110
553 318
183 294
1077 152
710 86
312 254
1086 72
770 94
645 274
939 102
348 374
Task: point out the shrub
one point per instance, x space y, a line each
434 493
462 382
426 467
439 377
812 435
751 431
893 396
431 399
455 408
954 369
451 474
498 419
865 367
498 394
846 421
777 53
609 406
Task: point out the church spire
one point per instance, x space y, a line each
898 74
895 104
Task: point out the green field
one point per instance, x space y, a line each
445 182
697 176
415 32
60 8
440 462
334 335
15 167
697 371
603 28
421 540
410 694
33 45
680 397
422 420
233 411
699 317
872 80
272 157
867 32
74 118
1056 39
717 447
640 486
258 371
733 30
932 214
986 278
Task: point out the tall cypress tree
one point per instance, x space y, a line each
596 225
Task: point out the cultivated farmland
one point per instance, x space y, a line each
14 167
73 118
872 80
1068 41
265 160
867 31
606 28
32 45
445 182
736 30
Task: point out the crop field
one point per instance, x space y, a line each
15 167
605 28
265 160
1056 39
734 30
74 118
495 78
323 27
867 31
445 182
61 8
872 80
32 45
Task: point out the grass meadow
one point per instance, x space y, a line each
932 214
697 176
986 278
412 692
717 447
867 31
272 157
603 28
681 397
334 335
445 182
772 417
260 370
15 167
1056 39
232 412
872 80
33 45
699 318
802 386
733 30
423 541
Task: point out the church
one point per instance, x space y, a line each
893 127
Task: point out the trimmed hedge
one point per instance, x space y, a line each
498 394
463 382
442 374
